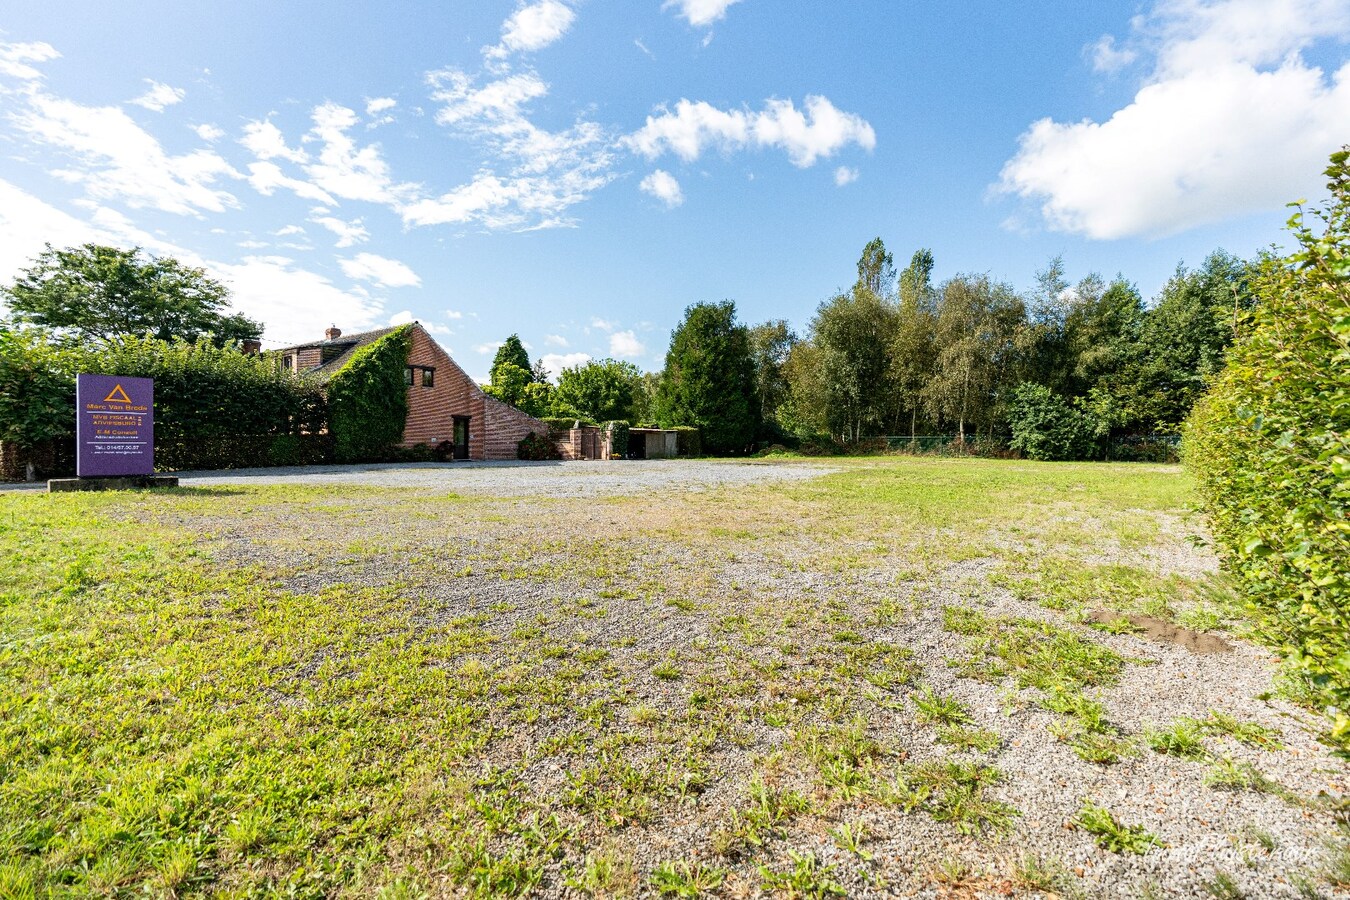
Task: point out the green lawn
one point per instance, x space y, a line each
320 692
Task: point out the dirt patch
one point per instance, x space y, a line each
1165 632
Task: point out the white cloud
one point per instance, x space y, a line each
817 131
554 363
663 186
14 59
700 13
345 170
435 328
266 177
114 158
349 234
603 324
389 273
380 104
1231 121
453 314
401 318
1108 58
289 230
549 171
295 304
555 340
625 345
252 244
534 27
208 132
265 141
160 96
485 349
844 175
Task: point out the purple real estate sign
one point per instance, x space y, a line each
115 426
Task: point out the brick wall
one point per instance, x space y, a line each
494 427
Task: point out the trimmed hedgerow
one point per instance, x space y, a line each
368 400
688 440
214 406
1270 445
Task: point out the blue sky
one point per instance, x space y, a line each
579 171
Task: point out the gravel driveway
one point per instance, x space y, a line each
526 479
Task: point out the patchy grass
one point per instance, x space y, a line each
342 692
1113 835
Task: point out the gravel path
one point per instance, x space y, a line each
515 479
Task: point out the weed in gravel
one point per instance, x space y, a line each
964 620
1227 774
762 817
850 836
1336 864
1264 839
938 709
1034 872
1223 887
667 671
607 871
954 792
686 879
1111 834
962 738
1249 733
1182 738
1102 749
1120 625
807 878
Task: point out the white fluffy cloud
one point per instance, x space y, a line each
380 104
663 186
379 270
266 177
817 131
534 26
700 13
349 234
114 158
208 132
159 96
265 141
625 345
1231 121
554 363
15 59
845 175
555 340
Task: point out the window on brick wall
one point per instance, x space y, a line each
408 376
428 377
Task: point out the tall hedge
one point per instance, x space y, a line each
368 399
1270 445
214 407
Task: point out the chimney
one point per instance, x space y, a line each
250 347
333 333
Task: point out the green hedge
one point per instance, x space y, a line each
1045 426
618 438
688 440
1270 446
214 407
537 447
368 399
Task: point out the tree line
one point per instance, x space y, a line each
1060 370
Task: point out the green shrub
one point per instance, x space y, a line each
618 438
214 406
368 399
537 447
688 441
1046 426
1270 446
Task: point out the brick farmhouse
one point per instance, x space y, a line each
444 403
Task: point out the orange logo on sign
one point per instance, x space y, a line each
117 395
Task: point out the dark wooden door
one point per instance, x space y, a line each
461 437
